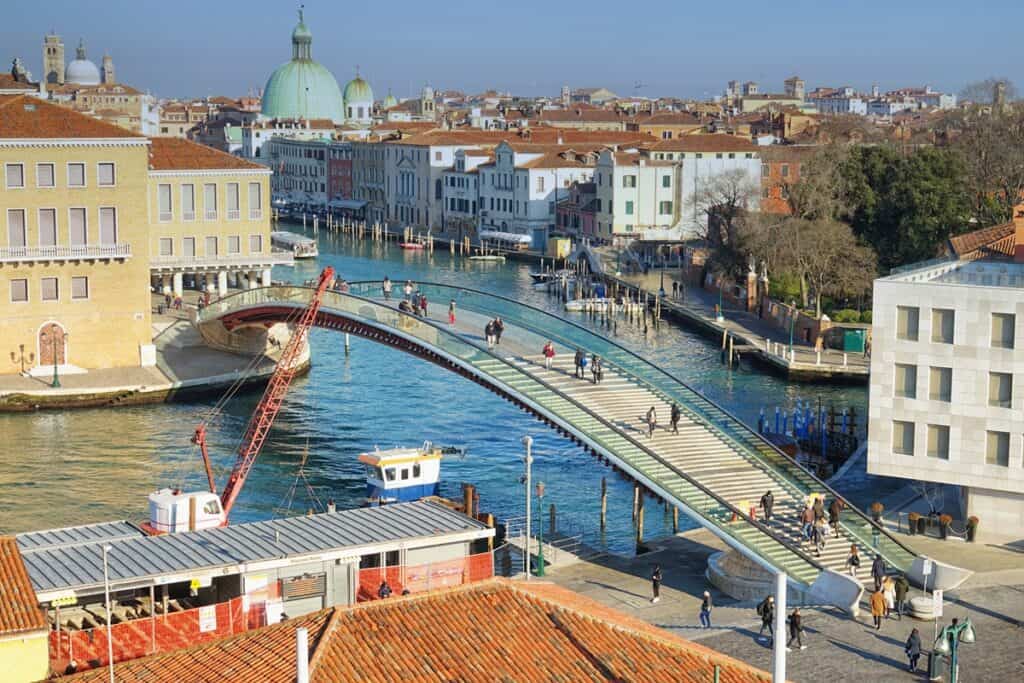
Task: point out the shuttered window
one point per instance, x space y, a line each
47 227
1002 330
76 175
938 442
108 225
16 228
906 381
77 228
80 287
164 201
48 289
300 587
105 174
997 451
188 202
906 322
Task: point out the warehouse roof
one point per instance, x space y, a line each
59 569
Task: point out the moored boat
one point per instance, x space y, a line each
299 245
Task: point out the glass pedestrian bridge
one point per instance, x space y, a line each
697 471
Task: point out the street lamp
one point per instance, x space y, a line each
106 600
540 528
948 642
661 288
53 346
528 461
20 357
792 324
720 315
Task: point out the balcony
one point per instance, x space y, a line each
211 214
255 214
188 215
277 257
58 253
234 214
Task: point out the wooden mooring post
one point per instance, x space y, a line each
640 519
636 500
604 502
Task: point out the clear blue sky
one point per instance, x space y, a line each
674 47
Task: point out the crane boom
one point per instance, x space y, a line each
263 417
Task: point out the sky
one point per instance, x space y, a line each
682 48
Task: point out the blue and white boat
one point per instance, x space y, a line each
402 474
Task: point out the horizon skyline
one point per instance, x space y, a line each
253 54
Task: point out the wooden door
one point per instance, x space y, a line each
51 342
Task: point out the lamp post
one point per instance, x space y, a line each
948 643
792 324
106 600
540 528
528 461
661 288
53 345
21 358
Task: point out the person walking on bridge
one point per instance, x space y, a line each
595 368
652 422
767 503
913 649
877 608
796 630
386 287
766 610
674 416
549 354
835 508
578 362
489 333
423 304
451 312
499 328
878 571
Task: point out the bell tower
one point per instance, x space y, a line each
53 59
108 70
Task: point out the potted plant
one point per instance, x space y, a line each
876 512
922 524
972 528
912 519
944 522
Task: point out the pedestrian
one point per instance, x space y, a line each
834 510
819 508
913 650
578 362
877 608
705 610
407 290
451 312
595 367
795 630
423 304
767 502
807 521
889 593
652 422
168 300
499 327
489 333
386 287
177 302
549 354
675 289
598 369
878 571
818 535
674 416
853 561
867 347
902 587
384 590
766 610
656 583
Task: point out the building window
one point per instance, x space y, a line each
1002 330
188 202
80 287
255 244
629 181
45 177
48 290
437 156
906 381
255 201
666 181
210 201
108 225
940 384
629 208
942 325
665 208
540 183
167 246
234 244
15 176
233 199
76 175
997 450
19 291
765 170
906 322
211 246
164 202
938 442
1000 389
902 437
47 227
16 236
785 170
105 174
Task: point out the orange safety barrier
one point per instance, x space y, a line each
424 577
149 635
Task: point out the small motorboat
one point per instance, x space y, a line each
412 245
548 275
399 475
581 305
495 258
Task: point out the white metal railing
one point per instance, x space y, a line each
60 253
255 214
234 214
188 215
275 257
211 214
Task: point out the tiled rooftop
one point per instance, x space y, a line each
19 609
490 631
706 143
176 154
28 117
992 242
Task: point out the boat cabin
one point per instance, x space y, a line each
173 511
402 474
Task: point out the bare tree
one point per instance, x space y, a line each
992 147
722 203
821 192
983 92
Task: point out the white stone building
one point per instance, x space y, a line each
947 383
461 211
300 170
635 195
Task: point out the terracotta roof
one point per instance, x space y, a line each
100 89
705 143
176 154
667 119
495 630
996 241
582 115
19 608
27 117
7 82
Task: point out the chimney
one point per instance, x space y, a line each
301 655
1018 233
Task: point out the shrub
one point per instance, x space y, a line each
846 315
865 317
945 520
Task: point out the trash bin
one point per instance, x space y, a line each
853 341
936 663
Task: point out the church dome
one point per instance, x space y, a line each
358 90
390 101
302 88
81 70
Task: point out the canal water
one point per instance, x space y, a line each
77 467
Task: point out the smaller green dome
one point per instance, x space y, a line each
390 101
358 90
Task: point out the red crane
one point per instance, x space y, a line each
263 417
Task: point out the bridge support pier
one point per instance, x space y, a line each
779 646
222 283
251 277
266 277
179 286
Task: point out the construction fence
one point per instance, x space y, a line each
424 577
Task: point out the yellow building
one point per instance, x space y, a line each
74 241
209 219
24 644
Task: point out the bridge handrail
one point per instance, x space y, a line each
735 513
867 530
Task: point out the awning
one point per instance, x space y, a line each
355 204
505 236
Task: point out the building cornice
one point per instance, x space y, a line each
209 172
74 142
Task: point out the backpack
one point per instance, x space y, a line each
761 608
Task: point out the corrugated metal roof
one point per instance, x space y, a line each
135 559
103 532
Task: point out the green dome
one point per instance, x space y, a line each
390 101
302 88
358 90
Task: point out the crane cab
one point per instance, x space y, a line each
401 474
172 511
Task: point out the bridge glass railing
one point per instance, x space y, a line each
697 407
716 512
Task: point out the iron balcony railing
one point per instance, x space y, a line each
72 253
276 257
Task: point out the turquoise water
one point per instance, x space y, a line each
83 466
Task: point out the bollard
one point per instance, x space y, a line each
844 359
818 361
636 499
346 344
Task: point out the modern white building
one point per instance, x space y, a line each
947 382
